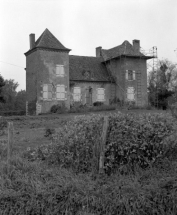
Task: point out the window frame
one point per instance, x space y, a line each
64 92
77 100
133 93
98 94
133 75
60 66
47 91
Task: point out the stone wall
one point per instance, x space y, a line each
118 68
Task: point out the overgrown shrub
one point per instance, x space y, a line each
98 103
131 140
58 108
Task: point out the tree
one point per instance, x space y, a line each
162 83
20 101
9 94
2 84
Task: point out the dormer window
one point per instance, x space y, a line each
60 70
130 75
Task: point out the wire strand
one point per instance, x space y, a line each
12 64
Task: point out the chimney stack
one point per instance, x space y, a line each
136 46
98 51
32 40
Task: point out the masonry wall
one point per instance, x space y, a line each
109 90
31 80
41 69
119 67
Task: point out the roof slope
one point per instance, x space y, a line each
79 65
124 49
48 40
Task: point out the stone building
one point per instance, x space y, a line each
55 77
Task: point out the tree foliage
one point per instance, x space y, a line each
2 83
13 100
162 83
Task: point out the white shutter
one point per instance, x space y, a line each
60 70
134 75
60 92
45 87
77 94
130 93
126 74
45 91
100 94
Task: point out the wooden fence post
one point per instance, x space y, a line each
102 145
10 141
26 108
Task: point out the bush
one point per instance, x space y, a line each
98 103
132 140
58 108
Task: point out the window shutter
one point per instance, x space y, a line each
45 87
60 70
134 75
126 74
100 94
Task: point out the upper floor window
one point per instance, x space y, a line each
130 75
60 92
60 70
100 94
77 94
47 91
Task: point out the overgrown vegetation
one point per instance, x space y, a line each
162 84
62 178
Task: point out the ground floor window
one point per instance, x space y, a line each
77 94
47 91
100 94
60 92
130 93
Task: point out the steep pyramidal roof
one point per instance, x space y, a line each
48 40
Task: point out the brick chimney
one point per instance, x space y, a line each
136 46
98 51
32 40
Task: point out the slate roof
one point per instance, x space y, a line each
78 65
49 41
124 49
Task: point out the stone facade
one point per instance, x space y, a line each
86 79
118 68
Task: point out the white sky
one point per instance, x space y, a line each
83 25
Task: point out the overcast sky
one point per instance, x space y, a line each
83 25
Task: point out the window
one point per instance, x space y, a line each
60 70
60 92
131 93
130 75
47 91
100 94
77 94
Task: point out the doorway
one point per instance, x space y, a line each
89 92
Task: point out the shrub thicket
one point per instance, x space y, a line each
132 140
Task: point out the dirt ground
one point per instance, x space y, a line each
29 131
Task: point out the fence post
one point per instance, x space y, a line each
26 108
10 141
102 145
